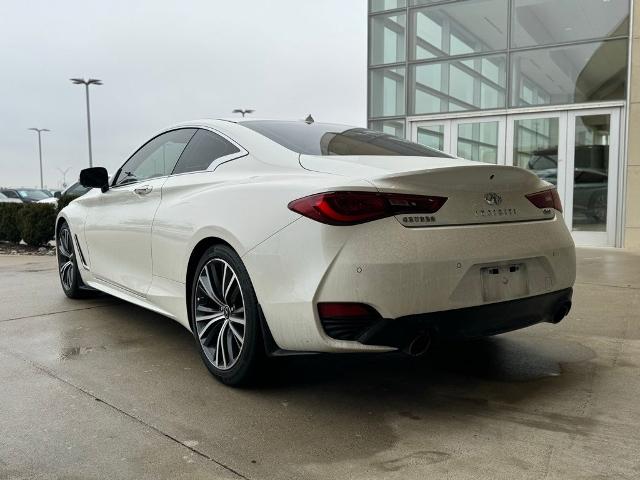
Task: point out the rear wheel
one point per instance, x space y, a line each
67 264
225 317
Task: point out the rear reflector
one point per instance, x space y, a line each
546 199
352 208
346 321
346 310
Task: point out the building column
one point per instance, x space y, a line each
632 220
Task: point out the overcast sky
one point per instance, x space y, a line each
164 62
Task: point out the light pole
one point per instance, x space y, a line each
64 176
243 111
86 83
39 131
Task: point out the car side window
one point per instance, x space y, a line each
156 158
204 148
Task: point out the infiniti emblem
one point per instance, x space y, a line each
492 198
226 311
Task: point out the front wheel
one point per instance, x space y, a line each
225 317
68 265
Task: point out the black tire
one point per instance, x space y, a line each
68 271
208 326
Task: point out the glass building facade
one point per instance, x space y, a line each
542 84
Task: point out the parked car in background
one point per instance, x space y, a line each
27 195
72 192
5 199
274 237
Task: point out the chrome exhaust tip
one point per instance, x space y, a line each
419 345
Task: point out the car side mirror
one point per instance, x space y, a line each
57 195
95 177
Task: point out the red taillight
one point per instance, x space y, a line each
546 199
334 310
352 208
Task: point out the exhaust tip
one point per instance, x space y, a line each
561 312
419 345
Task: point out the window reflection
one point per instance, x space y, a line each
387 42
579 73
431 136
535 146
478 141
380 5
591 173
391 127
386 92
457 85
461 28
543 22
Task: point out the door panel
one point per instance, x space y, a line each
432 136
118 233
576 150
538 142
480 140
593 160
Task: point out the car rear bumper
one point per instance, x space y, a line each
403 273
472 322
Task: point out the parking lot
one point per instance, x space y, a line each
103 389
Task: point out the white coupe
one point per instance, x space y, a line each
267 237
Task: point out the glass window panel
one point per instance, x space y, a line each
380 5
431 136
392 127
544 22
591 173
459 85
386 92
535 146
459 28
387 38
478 141
574 74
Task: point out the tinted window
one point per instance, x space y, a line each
203 149
76 190
327 139
10 194
156 158
32 194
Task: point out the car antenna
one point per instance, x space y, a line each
309 120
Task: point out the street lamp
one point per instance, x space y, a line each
39 131
64 176
243 111
86 83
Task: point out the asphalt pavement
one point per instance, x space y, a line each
100 389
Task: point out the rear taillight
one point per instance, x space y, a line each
352 208
546 199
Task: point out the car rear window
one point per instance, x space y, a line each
330 139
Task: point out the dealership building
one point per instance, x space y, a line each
552 86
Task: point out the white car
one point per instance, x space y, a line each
269 237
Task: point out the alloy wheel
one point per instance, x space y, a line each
65 258
219 312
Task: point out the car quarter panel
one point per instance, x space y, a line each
239 202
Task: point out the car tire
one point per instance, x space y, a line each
225 317
68 271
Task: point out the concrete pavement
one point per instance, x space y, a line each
103 389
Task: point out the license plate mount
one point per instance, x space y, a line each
504 282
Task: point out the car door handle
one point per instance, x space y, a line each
143 190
